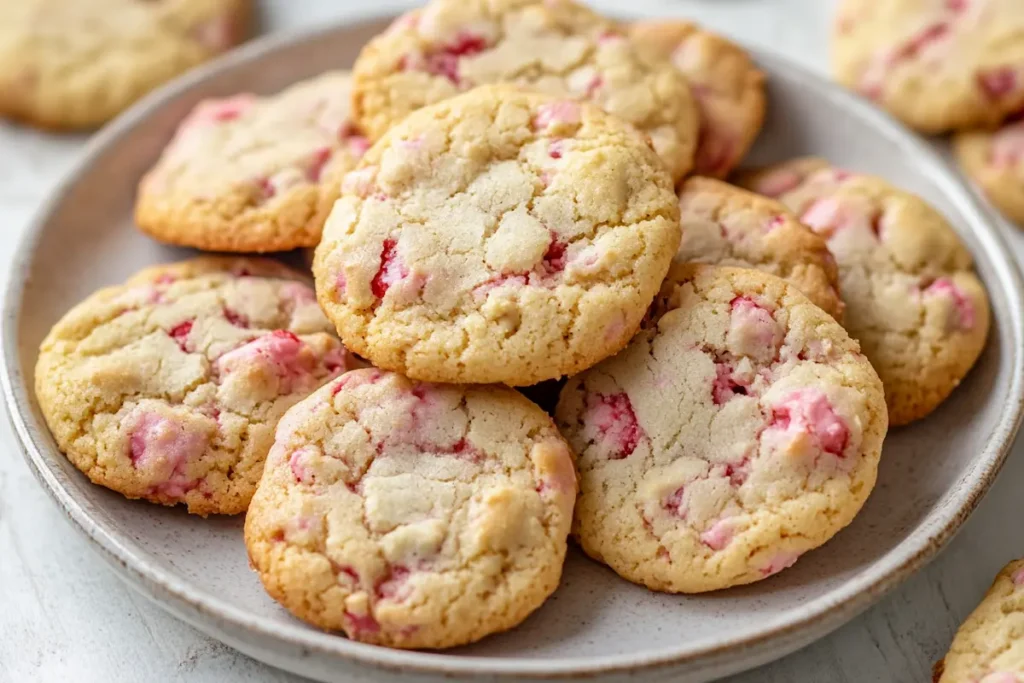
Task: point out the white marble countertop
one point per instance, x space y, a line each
65 616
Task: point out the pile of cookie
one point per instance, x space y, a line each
941 67
508 203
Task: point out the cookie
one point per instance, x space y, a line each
168 387
995 161
724 225
412 515
912 298
552 46
770 448
249 174
937 65
989 647
67 64
499 236
727 86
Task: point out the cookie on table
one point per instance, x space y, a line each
724 225
68 64
912 298
553 46
770 448
412 515
727 86
989 647
935 64
995 161
498 236
168 387
249 174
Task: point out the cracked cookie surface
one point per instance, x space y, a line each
726 226
995 161
989 647
770 448
936 64
551 46
249 174
499 236
412 515
168 388
912 298
726 85
73 64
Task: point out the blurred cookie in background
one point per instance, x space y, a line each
66 64
994 159
936 65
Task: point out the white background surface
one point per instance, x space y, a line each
64 616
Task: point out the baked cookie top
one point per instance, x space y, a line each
770 448
412 515
248 174
72 64
724 225
499 236
169 387
935 64
727 86
556 47
988 648
912 298
995 161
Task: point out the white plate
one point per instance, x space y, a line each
932 474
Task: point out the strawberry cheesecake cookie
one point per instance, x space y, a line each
498 236
771 445
412 515
556 47
727 86
989 647
912 298
69 64
935 64
168 388
724 225
995 161
247 174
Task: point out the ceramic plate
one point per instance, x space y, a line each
596 625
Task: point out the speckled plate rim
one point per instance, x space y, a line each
776 637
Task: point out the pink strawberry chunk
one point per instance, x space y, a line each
809 411
965 315
180 332
615 421
565 111
719 535
391 271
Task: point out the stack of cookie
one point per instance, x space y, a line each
507 205
941 67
